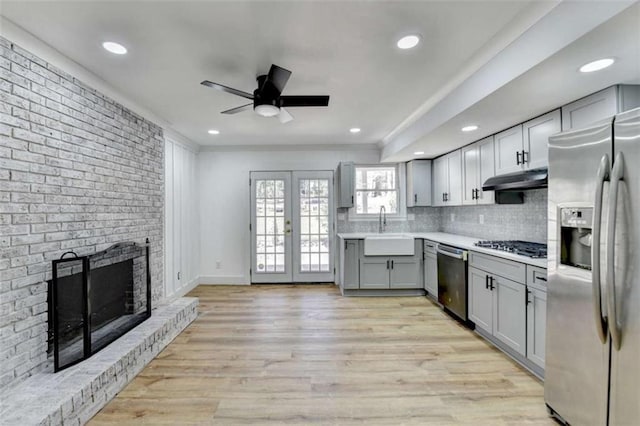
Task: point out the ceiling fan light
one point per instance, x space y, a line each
267 110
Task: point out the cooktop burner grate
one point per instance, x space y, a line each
523 248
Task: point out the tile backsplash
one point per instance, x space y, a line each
526 221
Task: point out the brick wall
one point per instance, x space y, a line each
77 172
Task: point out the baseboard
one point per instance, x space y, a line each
223 280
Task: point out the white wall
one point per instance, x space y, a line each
223 179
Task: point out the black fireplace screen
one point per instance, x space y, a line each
98 298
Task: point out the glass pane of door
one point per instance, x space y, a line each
271 226
313 226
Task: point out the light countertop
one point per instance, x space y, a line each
459 241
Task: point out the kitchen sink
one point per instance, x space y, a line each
389 245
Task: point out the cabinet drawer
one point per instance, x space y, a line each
495 265
537 277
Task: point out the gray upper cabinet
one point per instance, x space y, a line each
536 134
440 180
478 165
525 146
419 183
508 146
600 105
345 184
447 179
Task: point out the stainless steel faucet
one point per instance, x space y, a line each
382 220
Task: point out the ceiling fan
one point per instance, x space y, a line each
268 100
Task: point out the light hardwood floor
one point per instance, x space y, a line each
284 354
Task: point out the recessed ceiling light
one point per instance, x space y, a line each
354 130
469 128
418 153
407 42
214 132
113 47
597 65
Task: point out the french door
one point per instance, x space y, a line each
292 227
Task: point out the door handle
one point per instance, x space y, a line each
602 176
617 175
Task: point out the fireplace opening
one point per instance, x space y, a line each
96 299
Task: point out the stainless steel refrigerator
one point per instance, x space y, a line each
592 371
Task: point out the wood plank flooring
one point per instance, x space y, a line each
303 354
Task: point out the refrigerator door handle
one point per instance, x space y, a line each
603 175
616 176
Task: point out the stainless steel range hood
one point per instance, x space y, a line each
519 181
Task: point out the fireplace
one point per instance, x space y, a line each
96 299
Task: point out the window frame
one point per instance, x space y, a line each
401 213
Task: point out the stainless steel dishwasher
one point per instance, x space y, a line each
452 280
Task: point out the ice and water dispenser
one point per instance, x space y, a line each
575 237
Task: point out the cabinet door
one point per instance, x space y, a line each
419 183
351 265
454 193
509 313
470 173
431 275
480 300
440 180
536 325
487 163
590 109
405 272
508 146
345 184
536 138
374 272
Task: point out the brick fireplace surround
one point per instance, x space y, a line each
78 172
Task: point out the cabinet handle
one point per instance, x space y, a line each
415 198
387 264
443 197
446 196
352 199
492 286
392 264
525 157
518 157
527 297
486 282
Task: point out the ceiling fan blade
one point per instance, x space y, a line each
304 101
227 89
238 109
278 77
284 116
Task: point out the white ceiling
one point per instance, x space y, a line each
343 49
554 82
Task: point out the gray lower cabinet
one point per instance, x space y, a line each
351 273
480 300
431 275
536 325
509 314
374 272
404 272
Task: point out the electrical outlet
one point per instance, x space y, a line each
481 219
218 264
453 217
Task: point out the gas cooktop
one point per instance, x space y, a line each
523 248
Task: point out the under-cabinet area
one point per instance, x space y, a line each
504 295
